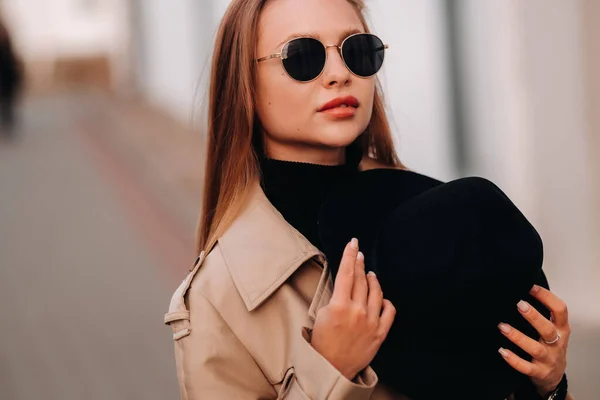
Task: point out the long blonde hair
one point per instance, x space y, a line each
231 162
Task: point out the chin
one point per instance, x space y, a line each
340 136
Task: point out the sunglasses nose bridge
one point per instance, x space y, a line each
339 50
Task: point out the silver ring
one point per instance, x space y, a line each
555 340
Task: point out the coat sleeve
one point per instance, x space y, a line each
315 378
212 363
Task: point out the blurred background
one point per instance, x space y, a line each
100 171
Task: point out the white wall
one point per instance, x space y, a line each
33 32
527 128
559 134
48 29
170 49
65 27
415 81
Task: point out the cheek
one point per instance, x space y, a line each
281 102
366 91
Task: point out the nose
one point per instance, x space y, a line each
335 72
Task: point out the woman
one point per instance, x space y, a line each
259 316
10 82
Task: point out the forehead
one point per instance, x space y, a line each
324 19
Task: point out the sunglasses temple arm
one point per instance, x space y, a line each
269 57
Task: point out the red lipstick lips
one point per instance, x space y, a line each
349 101
340 107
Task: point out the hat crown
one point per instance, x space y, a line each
454 258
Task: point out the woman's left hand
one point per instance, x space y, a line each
549 354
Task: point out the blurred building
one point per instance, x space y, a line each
71 43
505 89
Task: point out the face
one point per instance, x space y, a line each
294 126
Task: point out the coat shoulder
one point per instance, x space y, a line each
208 277
213 281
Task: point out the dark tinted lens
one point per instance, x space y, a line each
304 58
363 54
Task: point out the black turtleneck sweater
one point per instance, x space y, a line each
298 189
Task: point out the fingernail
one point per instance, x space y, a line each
523 306
534 289
503 352
372 274
504 328
354 243
360 256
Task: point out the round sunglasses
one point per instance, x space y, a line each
304 58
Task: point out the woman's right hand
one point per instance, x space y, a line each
350 329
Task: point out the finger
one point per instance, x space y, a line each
360 288
545 328
554 304
524 367
375 301
344 280
534 348
387 317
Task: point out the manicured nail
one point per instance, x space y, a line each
354 243
372 274
503 352
523 306
504 328
534 289
360 256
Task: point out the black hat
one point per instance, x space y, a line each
454 258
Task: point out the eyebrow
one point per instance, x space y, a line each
344 35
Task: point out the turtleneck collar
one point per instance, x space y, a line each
297 189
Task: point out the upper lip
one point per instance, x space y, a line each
350 101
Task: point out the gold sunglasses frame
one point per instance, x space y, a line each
281 56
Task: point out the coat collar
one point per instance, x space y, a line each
262 250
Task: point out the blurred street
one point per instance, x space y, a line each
92 247
87 264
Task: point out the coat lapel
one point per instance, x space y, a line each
262 250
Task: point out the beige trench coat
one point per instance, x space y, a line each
240 317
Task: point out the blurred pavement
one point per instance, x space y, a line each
84 278
98 208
